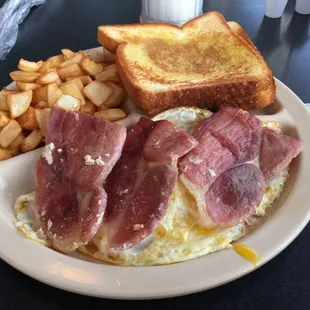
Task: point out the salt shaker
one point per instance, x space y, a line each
302 6
171 11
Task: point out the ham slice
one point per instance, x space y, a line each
277 151
226 140
140 186
80 153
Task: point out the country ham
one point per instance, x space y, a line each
140 186
226 189
277 152
80 153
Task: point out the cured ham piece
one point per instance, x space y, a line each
80 152
226 140
277 151
234 195
140 186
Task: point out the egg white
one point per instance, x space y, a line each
178 237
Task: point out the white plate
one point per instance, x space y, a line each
79 274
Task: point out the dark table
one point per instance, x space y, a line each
283 283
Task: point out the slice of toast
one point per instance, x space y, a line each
204 63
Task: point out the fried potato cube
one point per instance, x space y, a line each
9 133
97 92
74 60
31 141
68 103
67 53
55 61
4 119
45 67
88 108
22 76
22 86
42 105
95 55
42 117
5 154
4 107
69 71
17 141
29 66
48 78
115 98
28 120
91 67
108 56
77 81
49 93
111 114
85 79
109 73
71 88
19 103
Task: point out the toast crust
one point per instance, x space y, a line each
154 84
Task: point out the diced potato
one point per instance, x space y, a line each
108 57
74 60
5 154
78 83
31 141
43 117
68 103
3 119
71 88
9 133
109 73
97 92
17 141
22 76
40 94
53 94
115 98
42 105
22 86
55 61
19 103
49 93
67 53
28 120
4 107
48 78
88 108
6 113
70 71
58 81
45 67
95 55
111 114
91 67
29 66
85 79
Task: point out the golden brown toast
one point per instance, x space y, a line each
203 63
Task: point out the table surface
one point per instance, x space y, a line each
283 283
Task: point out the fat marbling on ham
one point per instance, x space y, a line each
219 173
142 181
80 153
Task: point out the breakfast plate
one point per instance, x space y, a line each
81 274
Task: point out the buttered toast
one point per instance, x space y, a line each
204 63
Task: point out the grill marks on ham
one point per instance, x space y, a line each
140 186
277 152
70 200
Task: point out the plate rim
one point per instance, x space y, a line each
118 289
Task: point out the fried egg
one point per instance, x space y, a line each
24 212
178 237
